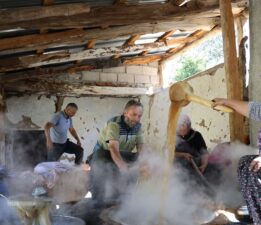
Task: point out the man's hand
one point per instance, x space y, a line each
187 156
49 144
255 165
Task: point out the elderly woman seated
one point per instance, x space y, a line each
191 151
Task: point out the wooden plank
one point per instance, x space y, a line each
58 70
165 36
91 43
175 52
59 89
111 16
32 14
48 2
47 40
131 41
78 36
24 62
233 79
142 59
182 41
120 2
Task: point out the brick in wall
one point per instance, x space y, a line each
126 78
108 77
90 76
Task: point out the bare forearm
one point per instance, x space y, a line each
116 157
239 106
47 131
204 160
74 134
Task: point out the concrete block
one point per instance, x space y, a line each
126 78
108 77
142 79
75 76
119 69
134 69
154 64
152 71
90 76
155 80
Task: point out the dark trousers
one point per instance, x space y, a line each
68 147
108 184
250 184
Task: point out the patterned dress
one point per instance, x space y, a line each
250 182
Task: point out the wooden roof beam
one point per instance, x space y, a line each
165 36
32 14
142 59
57 70
190 45
131 41
76 16
31 61
91 43
60 89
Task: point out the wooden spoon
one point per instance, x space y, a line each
182 92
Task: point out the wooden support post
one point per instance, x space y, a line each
59 103
233 79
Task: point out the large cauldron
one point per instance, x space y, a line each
35 211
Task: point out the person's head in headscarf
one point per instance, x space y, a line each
183 125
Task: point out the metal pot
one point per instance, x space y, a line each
66 220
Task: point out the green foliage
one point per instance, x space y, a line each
189 66
206 55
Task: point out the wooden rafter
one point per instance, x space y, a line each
47 2
181 41
142 60
131 41
60 89
112 16
120 2
165 36
32 14
91 43
38 73
24 62
175 52
45 40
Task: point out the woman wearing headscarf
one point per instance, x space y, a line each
190 145
249 168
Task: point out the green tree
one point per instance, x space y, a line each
189 66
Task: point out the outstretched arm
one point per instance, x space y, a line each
239 106
115 154
75 135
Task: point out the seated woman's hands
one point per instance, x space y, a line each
187 156
255 165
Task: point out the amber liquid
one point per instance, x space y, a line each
174 112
